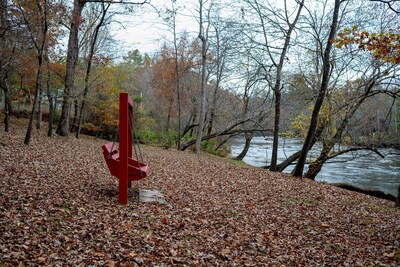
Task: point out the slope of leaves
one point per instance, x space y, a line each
58 207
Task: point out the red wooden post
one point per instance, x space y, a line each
130 126
125 144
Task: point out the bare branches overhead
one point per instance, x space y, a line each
391 4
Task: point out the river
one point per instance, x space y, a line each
362 169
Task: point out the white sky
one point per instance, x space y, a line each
147 32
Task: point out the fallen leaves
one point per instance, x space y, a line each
59 206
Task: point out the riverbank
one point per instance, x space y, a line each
361 169
59 206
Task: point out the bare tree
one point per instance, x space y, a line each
39 42
170 20
101 17
251 80
392 4
204 47
369 88
269 18
321 93
6 58
220 45
49 94
72 55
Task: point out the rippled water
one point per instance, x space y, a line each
363 169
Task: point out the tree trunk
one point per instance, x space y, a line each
248 138
284 164
40 111
80 119
177 79
202 108
72 54
40 52
298 171
89 67
168 122
49 97
219 70
274 157
277 87
31 118
7 100
4 65
74 121
398 198
316 166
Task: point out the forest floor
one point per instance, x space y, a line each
59 207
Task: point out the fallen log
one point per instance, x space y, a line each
374 193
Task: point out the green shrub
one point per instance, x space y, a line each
209 146
56 116
147 136
168 139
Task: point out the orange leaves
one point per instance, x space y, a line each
383 46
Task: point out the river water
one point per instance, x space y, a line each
362 169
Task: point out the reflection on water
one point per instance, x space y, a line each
363 169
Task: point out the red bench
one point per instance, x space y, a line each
136 170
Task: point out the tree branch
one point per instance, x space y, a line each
356 149
389 3
118 2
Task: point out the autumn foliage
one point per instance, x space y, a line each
384 46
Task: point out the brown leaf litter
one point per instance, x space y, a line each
59 207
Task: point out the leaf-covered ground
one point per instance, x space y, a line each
58 207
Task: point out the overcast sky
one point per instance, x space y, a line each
147 31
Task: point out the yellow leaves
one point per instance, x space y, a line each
90 127
339 45
301 122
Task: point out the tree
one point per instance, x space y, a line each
277 54
38 36
224 52
72 55
353 101
390 3
101 17
337 114
203 33
49 94
171 22
298 171
6 58
165 82
252 82
383 45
